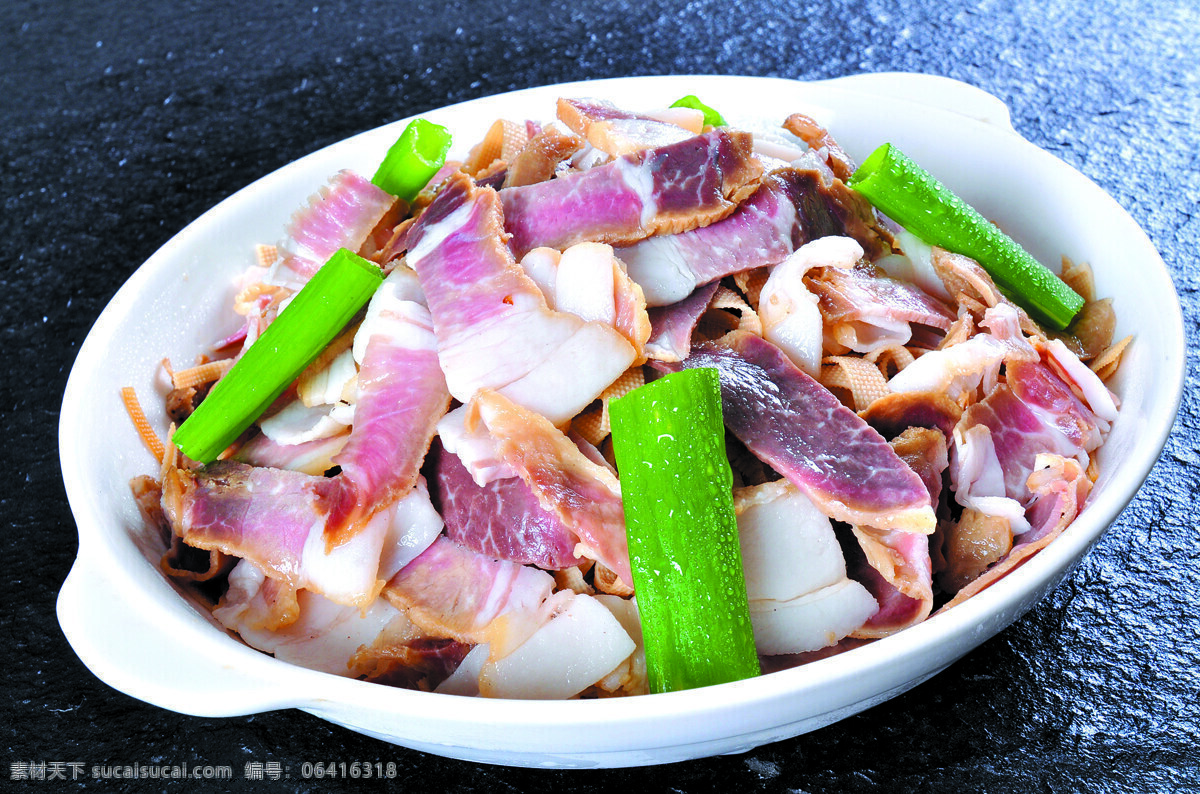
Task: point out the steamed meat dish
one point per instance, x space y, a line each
434 503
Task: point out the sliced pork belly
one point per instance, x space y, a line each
276 519
865 312
926 452
797 426
255 601
812 621
619 137
895 413
790 313
585 496
961 368
999 440
979 478
896 611
668 189
1060 487
588 281
1085 383
342 215
1053 401
476 449
579 647
1018 435
788 546
321 636
800 599
410 659
401 396
578 114
312 457
616 131
494 329
786 211
451 591
414 525
901 575
502 519
902 561
581 644
671 326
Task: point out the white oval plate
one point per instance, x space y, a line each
140 634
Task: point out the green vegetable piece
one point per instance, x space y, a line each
304 328
677 489
711 117
908 194
413 159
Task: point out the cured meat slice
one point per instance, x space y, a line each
1060 487
671 326
788 546
401 396
800 599
963 367
588 281
342 215
790 314
1054 403
901 560
668 189
581 644
418 662
616 132
584 495
579 114
494 329
501 519
926 452
451 591
321 634
864 311
311 457
414 526
811 132
1018 436
786 211
797 426
276 519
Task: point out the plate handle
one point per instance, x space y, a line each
127 646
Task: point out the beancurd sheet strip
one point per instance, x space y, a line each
141 423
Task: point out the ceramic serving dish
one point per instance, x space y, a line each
140 634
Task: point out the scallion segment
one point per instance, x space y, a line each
305 327
711 117
912 197
413 159
677 489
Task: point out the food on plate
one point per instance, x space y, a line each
622 402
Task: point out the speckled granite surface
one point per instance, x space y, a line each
123 121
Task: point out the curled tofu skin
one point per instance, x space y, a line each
434 503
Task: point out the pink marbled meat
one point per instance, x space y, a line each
797 426
667 189
501 519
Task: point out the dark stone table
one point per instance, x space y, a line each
121 122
